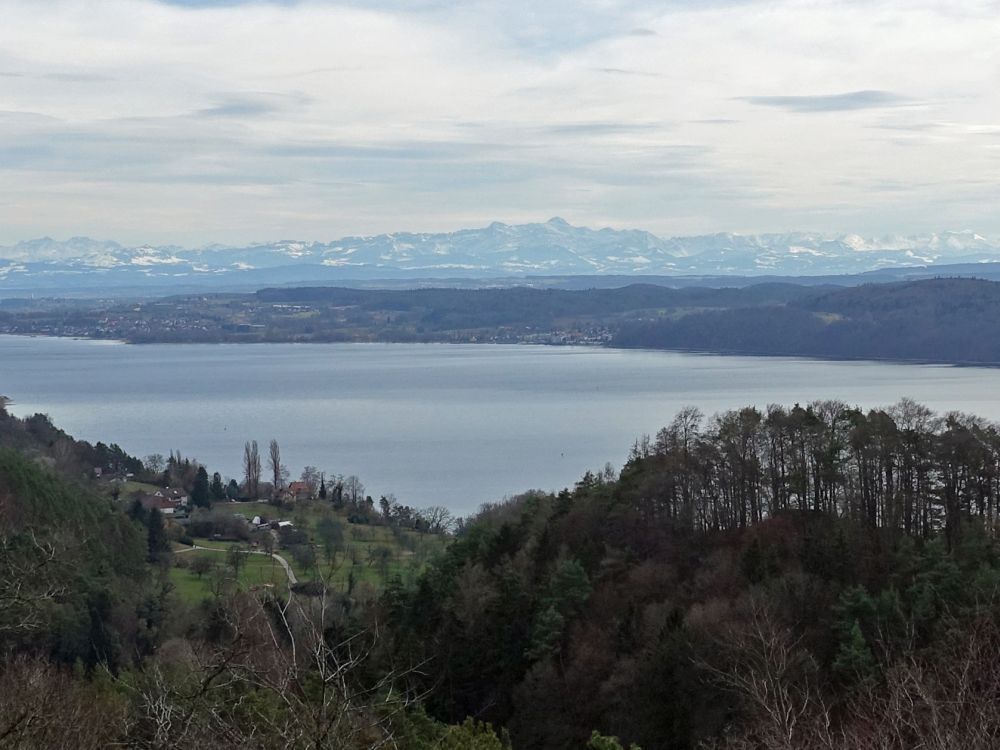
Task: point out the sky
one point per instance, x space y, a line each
198 121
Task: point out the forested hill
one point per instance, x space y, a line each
813 576
322 314
809 576
73 569
946 320
470 308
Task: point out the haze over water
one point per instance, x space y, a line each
455 425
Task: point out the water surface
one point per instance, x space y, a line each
434 424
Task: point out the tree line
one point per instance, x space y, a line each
902 469
807 576
804 576
343 492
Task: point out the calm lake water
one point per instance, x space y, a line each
455 425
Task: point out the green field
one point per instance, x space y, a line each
363 560
257 571
125 489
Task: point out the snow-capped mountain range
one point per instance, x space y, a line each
553 248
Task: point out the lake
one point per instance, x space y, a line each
454 425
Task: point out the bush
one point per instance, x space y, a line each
221 522
309 588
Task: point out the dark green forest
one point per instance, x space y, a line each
804 576
942 320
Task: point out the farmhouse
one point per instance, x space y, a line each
168 501
300 490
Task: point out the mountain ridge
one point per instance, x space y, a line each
554 247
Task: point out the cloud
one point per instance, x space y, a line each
238 108
602 128
627 72
915 127
852 100
252 105
323 118
67 77
77 77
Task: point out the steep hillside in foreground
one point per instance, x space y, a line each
810 577
72 568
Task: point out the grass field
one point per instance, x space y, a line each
256 571
364 558
127 488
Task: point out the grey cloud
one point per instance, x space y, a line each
602 128
399 150
252 104
415 5
319 71
77 77
62 77
851 100
18 116
554 27
512 133
628 72
220 3
122 150
238 108
916 127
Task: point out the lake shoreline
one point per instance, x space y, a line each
709 352
432 424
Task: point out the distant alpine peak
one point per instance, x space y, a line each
554 247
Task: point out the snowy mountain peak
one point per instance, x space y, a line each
554 247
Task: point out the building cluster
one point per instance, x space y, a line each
170 501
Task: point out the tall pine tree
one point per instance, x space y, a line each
217 488
157 539
201 492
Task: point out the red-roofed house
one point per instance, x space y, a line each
167 501
300 490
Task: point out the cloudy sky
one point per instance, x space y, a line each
194 121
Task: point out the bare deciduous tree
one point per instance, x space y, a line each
251 468
944 700
354 490
274 461
26 583
43 706
155 463
764 665
274 464
311 476
307 688
439 519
